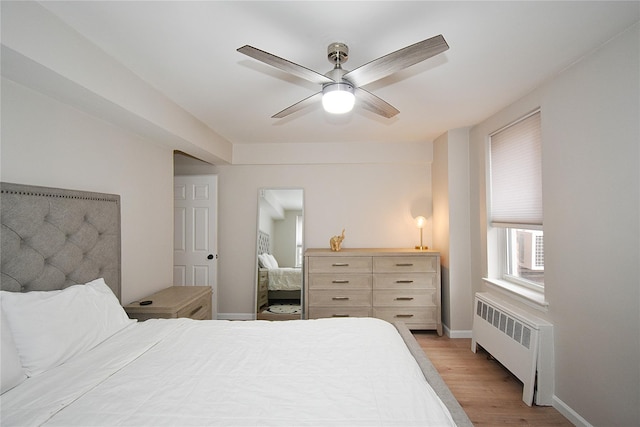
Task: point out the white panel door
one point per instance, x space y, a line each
195 232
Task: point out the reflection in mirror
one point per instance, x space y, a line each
279 254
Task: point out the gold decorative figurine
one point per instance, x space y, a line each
336 241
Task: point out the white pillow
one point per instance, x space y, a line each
11 370
268 261
263 261
273 261
51 327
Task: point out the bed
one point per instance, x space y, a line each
71 356
280 278
282 298
285 279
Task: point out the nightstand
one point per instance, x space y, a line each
176 301
263 290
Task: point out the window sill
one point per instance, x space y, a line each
527 296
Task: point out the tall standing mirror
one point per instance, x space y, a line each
279 259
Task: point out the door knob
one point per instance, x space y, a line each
210 256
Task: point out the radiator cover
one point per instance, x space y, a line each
521 342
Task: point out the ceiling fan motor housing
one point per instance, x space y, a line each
337 53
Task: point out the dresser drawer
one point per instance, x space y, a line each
199 309
324 312
404 281
404 264
404 298
415 317
340 264
339 281
340 298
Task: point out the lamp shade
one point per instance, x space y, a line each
338 98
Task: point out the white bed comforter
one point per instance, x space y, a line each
285 279
181 372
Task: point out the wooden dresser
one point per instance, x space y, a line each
390 284
176 301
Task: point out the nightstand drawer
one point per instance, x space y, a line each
263 299
263 277
406 264
323 312
340 298
340 264
403 298
199 309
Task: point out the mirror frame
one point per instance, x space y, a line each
260 196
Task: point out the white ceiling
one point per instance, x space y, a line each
284 198
499 51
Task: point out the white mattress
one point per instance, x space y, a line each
285 279
326 372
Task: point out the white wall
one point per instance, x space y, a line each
590 156
441 226
51 144
375 203
40 51
284 247
451 222
51 136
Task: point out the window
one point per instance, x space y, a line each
516 201
299 241
524 256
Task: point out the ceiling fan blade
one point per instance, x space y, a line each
396 61
284 65
370 102
316 97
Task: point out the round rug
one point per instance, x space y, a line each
285 309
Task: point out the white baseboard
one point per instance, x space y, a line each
456 334
236 316
569 413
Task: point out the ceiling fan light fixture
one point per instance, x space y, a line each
338 98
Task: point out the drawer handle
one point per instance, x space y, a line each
404 298
340 281
195 311
340 298
340 264
404 315
404 265
404 281
339 315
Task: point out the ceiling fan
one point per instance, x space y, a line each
341 87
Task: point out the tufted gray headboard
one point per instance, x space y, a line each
54 238
264 246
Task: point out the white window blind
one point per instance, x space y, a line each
516 174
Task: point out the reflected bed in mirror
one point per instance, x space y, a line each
280 243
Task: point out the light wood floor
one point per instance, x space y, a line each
489 394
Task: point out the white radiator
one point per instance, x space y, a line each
521 342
